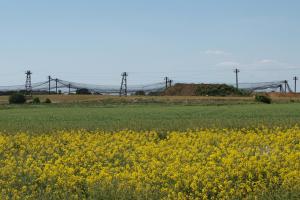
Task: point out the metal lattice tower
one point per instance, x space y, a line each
28 86
123 88
285 86
49 84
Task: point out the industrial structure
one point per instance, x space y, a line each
57 85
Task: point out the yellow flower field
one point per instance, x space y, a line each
204 164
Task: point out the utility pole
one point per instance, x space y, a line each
167 81
49 79
123 88
56 80
295 78
69 88
170 83
28 86
236 71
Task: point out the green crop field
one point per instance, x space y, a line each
47 118
35 154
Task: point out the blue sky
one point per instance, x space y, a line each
194 41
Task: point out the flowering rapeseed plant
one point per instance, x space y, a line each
203 164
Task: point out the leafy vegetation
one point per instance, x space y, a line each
36 100
140 93
17 98
263 99
162 152
83 91
154 93
164 118
181 89
47 100
218 90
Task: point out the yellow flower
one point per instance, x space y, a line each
202 164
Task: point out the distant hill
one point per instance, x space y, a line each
181 89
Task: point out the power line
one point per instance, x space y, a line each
125 89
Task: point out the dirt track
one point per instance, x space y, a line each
158 99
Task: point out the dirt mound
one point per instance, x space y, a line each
279 94
181 89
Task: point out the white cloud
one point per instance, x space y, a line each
228 64
268 61
216 52
263 65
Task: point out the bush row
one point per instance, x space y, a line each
19 98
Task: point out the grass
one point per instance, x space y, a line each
47 118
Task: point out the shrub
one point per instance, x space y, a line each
140 93
263 99
17 98
36 100
154 93
48 100
83 91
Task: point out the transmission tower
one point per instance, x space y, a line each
236 71
280 88
123 88
56 81
28 86
167 81
49 82
295 78
285 85
69 86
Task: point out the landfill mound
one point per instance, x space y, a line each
181 89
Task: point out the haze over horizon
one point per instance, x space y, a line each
192 41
